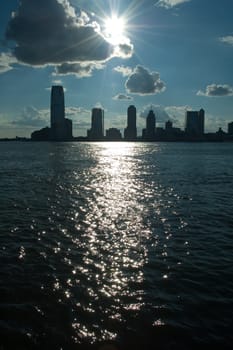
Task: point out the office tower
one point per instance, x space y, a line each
230 128
194 123
168 126
57 105
130 132
61 128
149 132
97 125
113 134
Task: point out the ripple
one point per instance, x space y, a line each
104 242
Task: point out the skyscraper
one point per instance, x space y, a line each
61 128
130 132
194 122
97 125
230 128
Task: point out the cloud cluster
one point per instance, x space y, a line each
227 39
170 3
216 90
32 117
125 71
122 97
6 61
50 32
143 82
81 70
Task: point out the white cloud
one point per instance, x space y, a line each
51 32
143 82
125 71
227 39
170 3
6 61
159 111
216 90
56 82
32 117
122 97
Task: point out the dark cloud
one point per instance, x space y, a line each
79 69
144 82
216 90
51 32
122 97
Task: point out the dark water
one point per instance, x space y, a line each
116 246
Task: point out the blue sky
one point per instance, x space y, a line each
169 55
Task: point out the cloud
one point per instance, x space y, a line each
50 32
124 50
6 61
227 39
125 71
216 90
56 82
32 117
143 82
170 3
81 70
122 97
160 113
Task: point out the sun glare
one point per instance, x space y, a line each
114 28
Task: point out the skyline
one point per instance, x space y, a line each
61 128
167 55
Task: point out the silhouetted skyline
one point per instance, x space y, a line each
61 128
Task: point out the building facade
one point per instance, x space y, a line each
230 128
194 123
97 125
130 132
60 127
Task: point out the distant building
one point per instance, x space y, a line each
61 128
41 135
230 128
148 134
194 123
168 126
97 125
113 134
130 132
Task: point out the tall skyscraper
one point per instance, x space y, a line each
97 125
130 132
194 122
148 134
230 128
61 128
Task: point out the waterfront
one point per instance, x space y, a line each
122 242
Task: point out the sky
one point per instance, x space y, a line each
166 55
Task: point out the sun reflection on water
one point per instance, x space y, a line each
114 255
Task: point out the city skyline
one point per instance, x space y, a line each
61 128
167 55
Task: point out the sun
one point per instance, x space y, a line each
114 28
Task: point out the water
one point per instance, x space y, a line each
116 245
